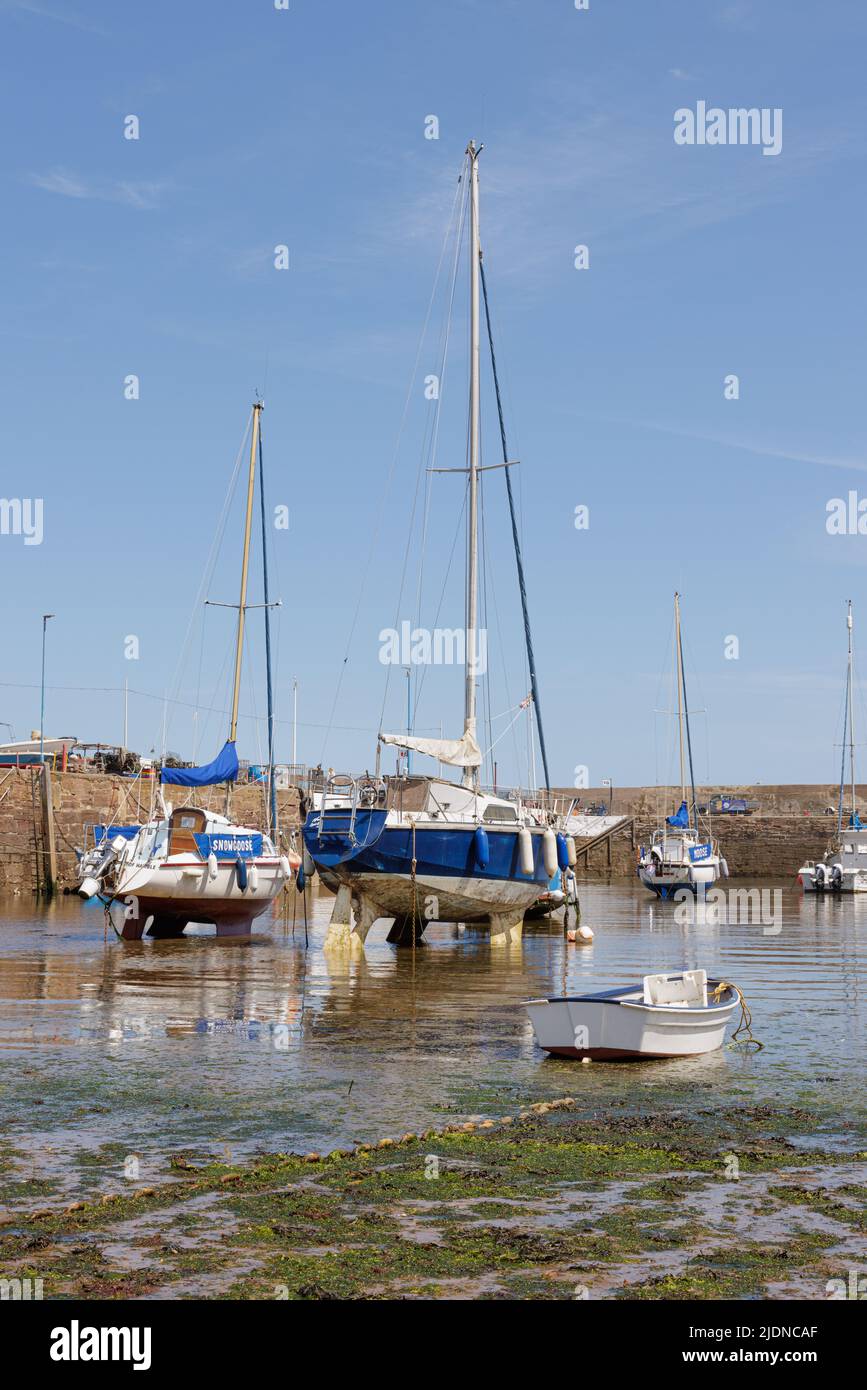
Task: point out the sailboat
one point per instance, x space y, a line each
188 864
844 867
679 855
422 848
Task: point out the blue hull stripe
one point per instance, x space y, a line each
439 849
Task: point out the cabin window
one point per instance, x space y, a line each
188 822
507 813
848 849
862 849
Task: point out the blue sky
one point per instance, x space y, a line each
305 127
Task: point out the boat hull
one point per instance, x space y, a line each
608 1028
161 899
448 884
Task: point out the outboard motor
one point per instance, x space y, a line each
836 877
820 875
94 865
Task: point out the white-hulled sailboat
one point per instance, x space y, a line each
844 867
188 864
679 856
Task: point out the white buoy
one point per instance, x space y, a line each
213 866
525 850
585 934
549 852
571 851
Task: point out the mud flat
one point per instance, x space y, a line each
552 1202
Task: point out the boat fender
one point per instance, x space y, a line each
241 871
213 866
481 848
549 852
571 851
301 878
724 868
525 850
562 853
307 863
285 867
253 877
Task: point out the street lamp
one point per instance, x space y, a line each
609 783
45 617
408 670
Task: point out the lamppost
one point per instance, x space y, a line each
408 716
609 783
45 617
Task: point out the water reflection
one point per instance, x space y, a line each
271 1043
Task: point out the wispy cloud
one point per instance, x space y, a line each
604 176
142 194
681 74
795 454
39 11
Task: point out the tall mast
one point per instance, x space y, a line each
245 566
470 777
678 661
850 683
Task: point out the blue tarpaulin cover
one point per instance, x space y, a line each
224 768
127 831
855 822
680 818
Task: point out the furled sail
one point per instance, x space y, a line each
680 818
224 768
457 752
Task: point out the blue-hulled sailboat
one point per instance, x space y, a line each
422 849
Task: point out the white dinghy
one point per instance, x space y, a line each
680 1015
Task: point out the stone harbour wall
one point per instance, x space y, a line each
81 800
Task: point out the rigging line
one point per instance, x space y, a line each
212 559
458 528
392 466
422 474
444 350
534 685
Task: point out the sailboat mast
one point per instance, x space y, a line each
851 712
678 661
470 777
245 568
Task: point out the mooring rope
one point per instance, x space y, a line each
743 1034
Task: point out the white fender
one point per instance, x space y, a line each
309 866
525 850
213 866
253 878
285 867
549 852
571 851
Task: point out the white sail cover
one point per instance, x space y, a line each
457 752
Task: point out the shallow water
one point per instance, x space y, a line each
113 1049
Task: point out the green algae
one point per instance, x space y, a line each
619 1204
